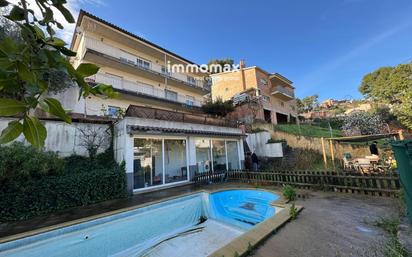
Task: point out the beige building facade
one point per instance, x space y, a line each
162 135
257 94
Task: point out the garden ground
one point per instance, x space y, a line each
332 224
335 224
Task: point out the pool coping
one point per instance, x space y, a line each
233 246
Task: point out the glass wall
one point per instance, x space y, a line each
232 155
148 163
203 157
219 155
175 160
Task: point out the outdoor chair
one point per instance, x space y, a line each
347 162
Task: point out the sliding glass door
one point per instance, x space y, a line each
175 160
159 161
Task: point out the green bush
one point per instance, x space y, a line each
76 181
289 192
18 161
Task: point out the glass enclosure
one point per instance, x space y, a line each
219 155
203 157
175 160
232 155
148 164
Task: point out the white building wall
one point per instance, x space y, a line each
64 138
258 143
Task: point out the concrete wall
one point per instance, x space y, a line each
258 142
64 138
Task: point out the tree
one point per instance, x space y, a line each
218 107
391 86
310 102
28 68
220 65
363 123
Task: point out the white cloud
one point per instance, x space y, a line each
73 6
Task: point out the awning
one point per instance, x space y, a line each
136 129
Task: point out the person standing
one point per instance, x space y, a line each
248 161
373 148
255 162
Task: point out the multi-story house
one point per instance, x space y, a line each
164 138
257 94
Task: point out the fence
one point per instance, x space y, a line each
369 184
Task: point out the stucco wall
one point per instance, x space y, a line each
64 138
258 143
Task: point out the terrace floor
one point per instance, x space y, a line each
331 224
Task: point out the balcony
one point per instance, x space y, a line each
283 93
95 47
144 90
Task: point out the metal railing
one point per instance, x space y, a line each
141 88
197 118
131 59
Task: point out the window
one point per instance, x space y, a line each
203 157
171 95
282 104
165 71
263 82
159 161
175 160
190 100
232 155
113 111
266 98
191 80
219 155
127 57
143 63
148 163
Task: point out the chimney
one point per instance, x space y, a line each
242 73
242 64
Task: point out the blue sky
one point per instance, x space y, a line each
324 46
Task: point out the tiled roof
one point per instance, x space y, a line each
157 130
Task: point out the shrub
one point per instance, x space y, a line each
57 183
289 192
293 211
218 107
18 161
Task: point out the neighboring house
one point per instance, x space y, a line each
164 138
257 94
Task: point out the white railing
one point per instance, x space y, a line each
150 90
132 59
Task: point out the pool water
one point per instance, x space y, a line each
181 224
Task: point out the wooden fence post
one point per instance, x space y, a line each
324 152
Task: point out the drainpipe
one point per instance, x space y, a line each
242 73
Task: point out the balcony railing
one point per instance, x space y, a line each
130 59
145 89
157 114
284 91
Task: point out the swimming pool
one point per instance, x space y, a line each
200 222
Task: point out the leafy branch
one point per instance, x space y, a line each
26 64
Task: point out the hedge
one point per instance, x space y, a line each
27 198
